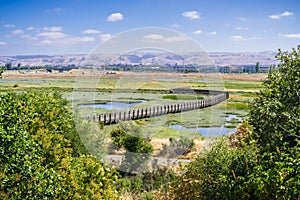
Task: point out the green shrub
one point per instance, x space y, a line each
138 148
275 115
39 152
217 174
144 184
262 159
178 146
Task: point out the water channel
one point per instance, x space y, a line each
204 131
210 131
113 105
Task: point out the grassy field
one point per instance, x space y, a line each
88 87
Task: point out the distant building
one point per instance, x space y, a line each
224 69
248 68
242 69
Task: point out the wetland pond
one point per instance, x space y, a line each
204 131
210 131
112 105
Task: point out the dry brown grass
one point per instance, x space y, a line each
200 145
75 73
245 77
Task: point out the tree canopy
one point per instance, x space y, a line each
262 159
41 155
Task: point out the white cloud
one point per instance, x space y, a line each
91 31
9 26
197 32
17 32
53 29
115 17
52 35
240 28
3 43
104 37
239 38
30 28
82 39
45 42
212 33
191 14
291 35
284 14
59 38
68 40
242 19
25 36
175 39
174 25
154 38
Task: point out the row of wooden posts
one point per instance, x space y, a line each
153 111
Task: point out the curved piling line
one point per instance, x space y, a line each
153 111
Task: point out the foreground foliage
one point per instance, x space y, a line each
128 136
178 146
262 159
41 155
275 117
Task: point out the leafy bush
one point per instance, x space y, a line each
262 159
37 153
22 173
86 178
143 184
138 148
37 112
275 117
217 174
93 136
275 112
178 146
128 136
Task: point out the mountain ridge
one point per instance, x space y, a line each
265 58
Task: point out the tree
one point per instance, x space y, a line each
257 67
275 112
262 159
41 156
275 117
8 66
1 71
19 66
138 149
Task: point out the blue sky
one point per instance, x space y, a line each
77 26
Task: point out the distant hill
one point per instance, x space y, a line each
139 58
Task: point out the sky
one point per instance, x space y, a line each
30 27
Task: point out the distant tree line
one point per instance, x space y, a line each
19 66
189 68
250 69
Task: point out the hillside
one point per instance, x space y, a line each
219 58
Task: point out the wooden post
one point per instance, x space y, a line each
109 118
104 118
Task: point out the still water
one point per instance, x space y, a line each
113 105
206 132
210 131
